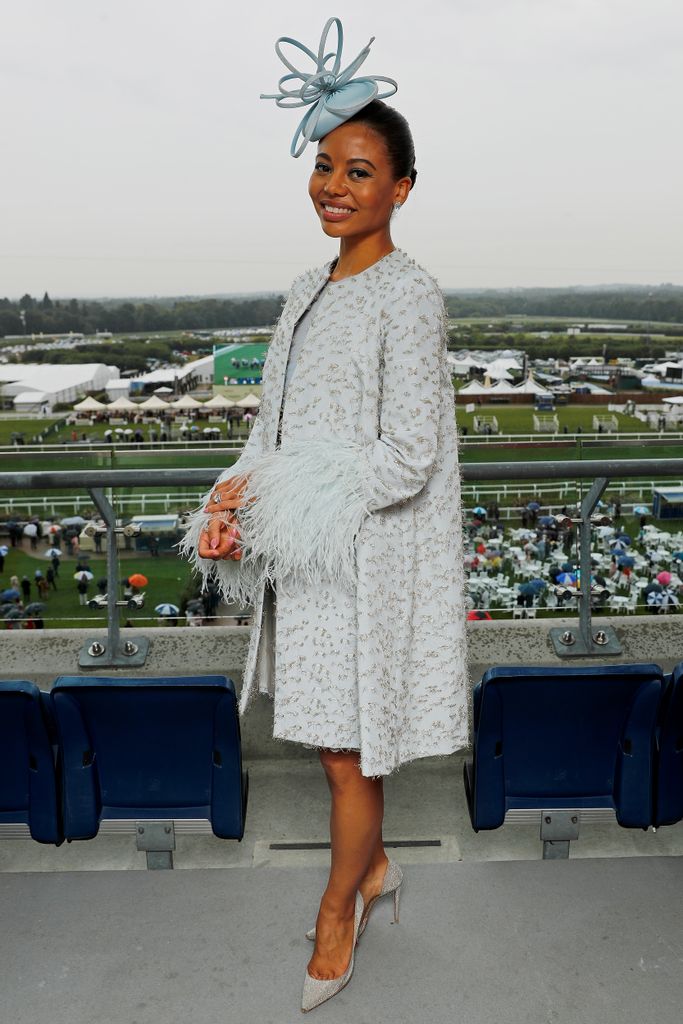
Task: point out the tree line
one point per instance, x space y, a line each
662 303
47 316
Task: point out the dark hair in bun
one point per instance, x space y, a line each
396 133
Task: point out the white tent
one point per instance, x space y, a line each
475 387
154 404
499 373
674 400
501 387
90 404
249 402
122 404
469 360
218 402
531 387
502 364
186 402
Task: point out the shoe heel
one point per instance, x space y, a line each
397 897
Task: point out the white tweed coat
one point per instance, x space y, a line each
356 516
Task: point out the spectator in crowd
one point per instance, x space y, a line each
82 588
50 577
26 588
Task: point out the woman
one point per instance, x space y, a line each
341 519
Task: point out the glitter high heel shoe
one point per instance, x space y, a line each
393 879
319 990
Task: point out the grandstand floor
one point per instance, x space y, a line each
571 942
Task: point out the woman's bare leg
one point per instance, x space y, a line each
356 839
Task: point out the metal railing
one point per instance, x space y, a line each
567 642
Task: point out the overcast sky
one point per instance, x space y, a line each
138 158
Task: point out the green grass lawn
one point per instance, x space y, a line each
168 577
32 427
519 419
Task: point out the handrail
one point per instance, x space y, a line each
95 480
573 469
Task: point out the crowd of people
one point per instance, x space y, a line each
534 563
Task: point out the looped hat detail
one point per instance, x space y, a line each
333 95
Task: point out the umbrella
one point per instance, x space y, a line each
35 608
664 578
655 597
167 609
568 579
74 521
30 530
620 544
477 615
4 608
537 584
83 575
138 580
653 588
479 510
626 561
9 595
546 520
195 605
678 556
526 590
533 506
567 567
53 553
4 550
14 613
641 510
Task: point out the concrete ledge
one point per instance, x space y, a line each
42 655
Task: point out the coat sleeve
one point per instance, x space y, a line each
397 465
234 584
306 501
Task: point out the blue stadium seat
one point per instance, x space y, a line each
564 738
150 748
28 787
669 767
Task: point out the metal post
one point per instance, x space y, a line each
603 641
588 505
101 503
132 653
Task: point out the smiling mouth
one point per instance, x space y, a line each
330 208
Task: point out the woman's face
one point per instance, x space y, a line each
352 185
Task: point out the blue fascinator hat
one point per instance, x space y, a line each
332 95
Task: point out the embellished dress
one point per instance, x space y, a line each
352 523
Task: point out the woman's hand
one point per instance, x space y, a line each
219 539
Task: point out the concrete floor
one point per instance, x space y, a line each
289 802
573 942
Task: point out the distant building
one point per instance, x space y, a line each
50 383
180 378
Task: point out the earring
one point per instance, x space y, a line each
397 207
